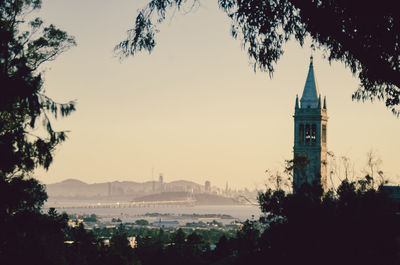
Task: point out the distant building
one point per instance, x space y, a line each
106 242
207 186
132 241
161 182
310 135
74 223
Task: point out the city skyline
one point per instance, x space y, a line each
194 108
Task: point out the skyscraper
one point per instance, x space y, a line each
161 183
207 186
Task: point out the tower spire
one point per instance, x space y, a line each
319 101
309 99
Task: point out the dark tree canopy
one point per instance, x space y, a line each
356 224
27 137
364 35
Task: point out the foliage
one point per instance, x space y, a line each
366 40
308 226
141 222
120 249
24 107
18 195
27 236
116 220
92 218
27 138
30 237
82 247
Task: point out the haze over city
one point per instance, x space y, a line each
194 109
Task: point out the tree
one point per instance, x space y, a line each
178 239
19 195
355 225
83 248
24 107
142 222
365 36
223 248
150 249
196 246
27 138
30 237
120 249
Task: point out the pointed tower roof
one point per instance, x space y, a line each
309 99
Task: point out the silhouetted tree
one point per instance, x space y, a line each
196 249
21 222
176 248
178 238
24 46
19 195
224 251
84 248
120 251
247 243
30 237
27 138
356 225
364 35
150 251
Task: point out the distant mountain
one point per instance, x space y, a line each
73 188
70 183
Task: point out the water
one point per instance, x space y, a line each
238 212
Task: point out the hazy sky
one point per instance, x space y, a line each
193 109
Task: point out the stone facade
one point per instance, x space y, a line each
310 135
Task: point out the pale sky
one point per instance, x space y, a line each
193 109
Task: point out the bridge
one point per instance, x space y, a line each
125 204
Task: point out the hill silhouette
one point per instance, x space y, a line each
73 188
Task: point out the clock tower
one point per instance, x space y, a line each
310 135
